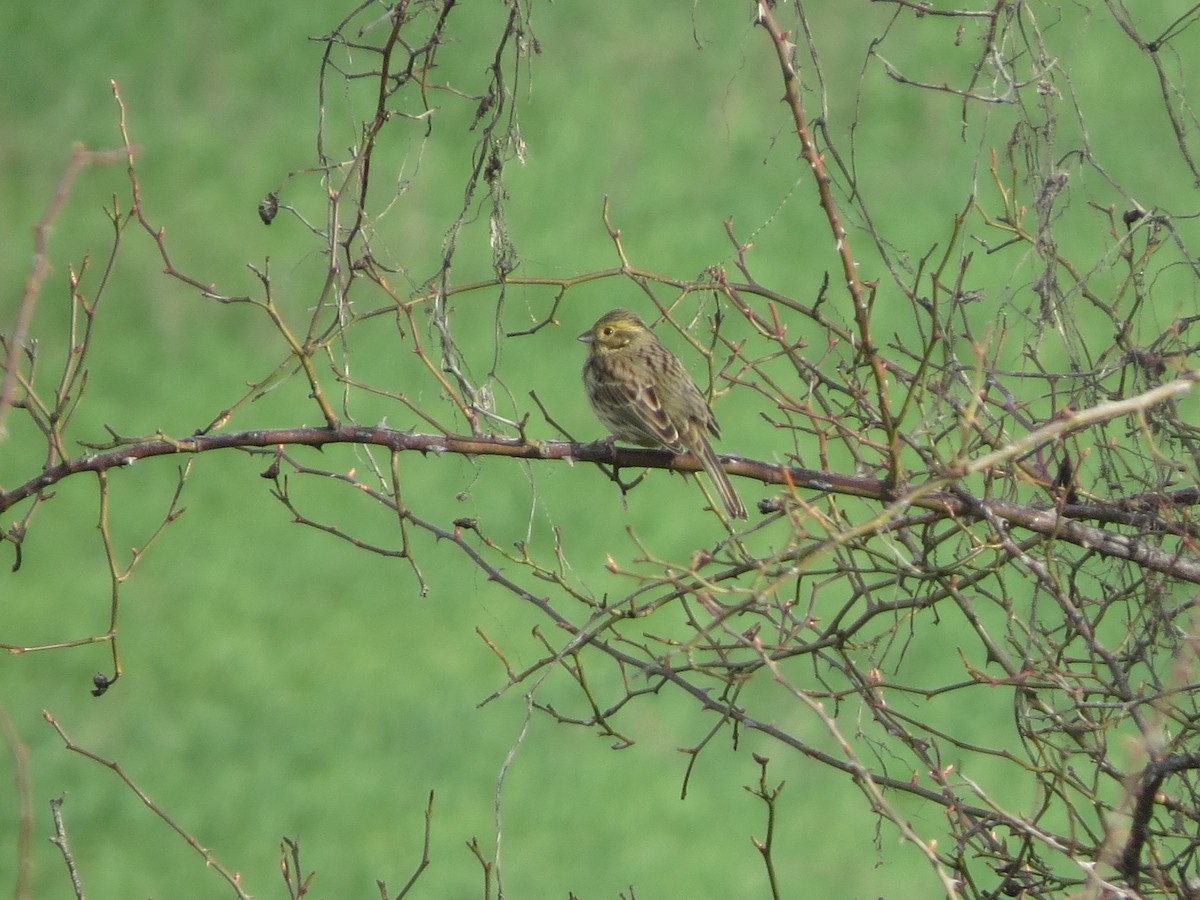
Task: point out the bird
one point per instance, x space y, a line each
642 394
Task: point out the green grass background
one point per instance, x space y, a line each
281 683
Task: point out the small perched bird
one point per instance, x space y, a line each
643 394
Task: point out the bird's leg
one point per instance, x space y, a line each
607 444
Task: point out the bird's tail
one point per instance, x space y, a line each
712 465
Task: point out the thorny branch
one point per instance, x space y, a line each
937 477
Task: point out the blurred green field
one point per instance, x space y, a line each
279 682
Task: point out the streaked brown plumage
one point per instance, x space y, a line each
642 393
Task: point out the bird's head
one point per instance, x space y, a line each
615 330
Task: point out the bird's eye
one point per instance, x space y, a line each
608 331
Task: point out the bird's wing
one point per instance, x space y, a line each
650 413
635 407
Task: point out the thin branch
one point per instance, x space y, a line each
81 158
210 860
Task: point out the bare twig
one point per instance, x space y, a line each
209 859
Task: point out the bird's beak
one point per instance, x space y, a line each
588 337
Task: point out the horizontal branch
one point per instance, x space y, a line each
1061 523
